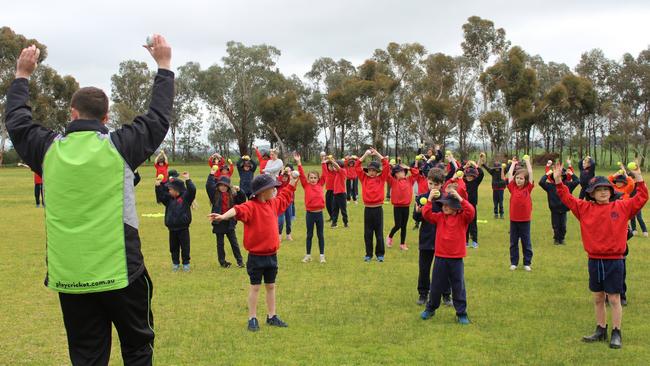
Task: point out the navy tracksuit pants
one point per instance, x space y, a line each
424 277
497 199
520 230
558 221
446 271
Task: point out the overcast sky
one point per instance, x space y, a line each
88 39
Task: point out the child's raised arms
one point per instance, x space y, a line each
529 167
511 170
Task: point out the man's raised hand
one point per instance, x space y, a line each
27 61
161 51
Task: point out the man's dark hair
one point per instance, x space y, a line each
91 102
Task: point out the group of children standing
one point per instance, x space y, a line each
445 208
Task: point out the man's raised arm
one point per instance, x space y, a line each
137 141
30 140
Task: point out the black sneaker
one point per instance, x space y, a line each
253 325
616 341
345 225
334 226
226 264
275 321
422 300
240 264
600 335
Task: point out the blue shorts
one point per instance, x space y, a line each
606 275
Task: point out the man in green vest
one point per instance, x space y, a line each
94 259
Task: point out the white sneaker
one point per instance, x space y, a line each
307 258
527 268
634 232
322 258
645 233
513 267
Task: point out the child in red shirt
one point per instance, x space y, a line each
329 185
373 179
520 184
337 172
259 216
623 184
352 182
162 166
314 205
221 167
603 226
263 159
448 267
401 196
38 187
38 190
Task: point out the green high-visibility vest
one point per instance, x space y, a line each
83 177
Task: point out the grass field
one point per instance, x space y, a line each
345 312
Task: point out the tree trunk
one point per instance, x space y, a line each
396 140
342 139
283 150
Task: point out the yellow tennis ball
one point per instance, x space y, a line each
161 177
618 163
423 201
632 165
448 152
503 165
459 174
526 157
418 157
436 193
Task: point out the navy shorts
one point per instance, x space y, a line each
606 275
262 267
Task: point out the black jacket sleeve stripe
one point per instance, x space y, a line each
30 140
137 141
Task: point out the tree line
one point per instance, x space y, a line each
493 97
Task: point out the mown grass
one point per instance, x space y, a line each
345 312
